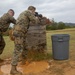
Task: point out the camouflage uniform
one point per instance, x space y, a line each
20 31
5 21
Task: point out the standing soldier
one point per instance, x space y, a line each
5 21
19 34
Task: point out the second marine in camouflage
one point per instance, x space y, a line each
5 21
19 33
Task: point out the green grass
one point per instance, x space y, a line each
8 51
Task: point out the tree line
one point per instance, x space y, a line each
58 26
50 26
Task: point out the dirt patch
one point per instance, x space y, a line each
53 67
5 69
1 73
33 67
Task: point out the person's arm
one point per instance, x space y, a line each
13 20
32 17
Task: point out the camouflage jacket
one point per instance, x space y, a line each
5 21
24 20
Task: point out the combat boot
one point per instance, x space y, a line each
14 71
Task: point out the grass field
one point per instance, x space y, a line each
10 44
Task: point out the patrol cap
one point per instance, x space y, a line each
31 8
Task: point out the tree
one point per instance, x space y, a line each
61 25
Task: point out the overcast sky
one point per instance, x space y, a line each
60 10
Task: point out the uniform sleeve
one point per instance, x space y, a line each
32 18
13 20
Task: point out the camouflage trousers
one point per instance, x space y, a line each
2 43
20 47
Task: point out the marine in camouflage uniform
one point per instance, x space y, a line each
5 21
19 32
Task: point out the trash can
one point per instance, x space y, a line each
60 46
